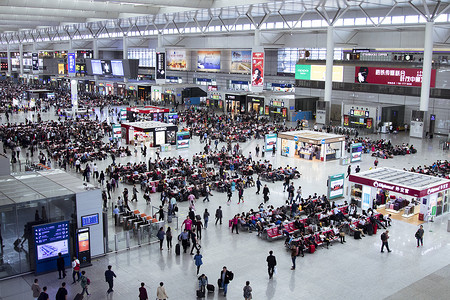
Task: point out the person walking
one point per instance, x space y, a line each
194 242
384 240
60 265
234 224
240 193
271 263
419 235
294 253
207 191
247 291
258 185
225 278
299 194
349 170
36 289
266 193
219 215
198 260
206 218
161 292
160 235
169 238
109 278
143 292
75 269
61 294
84 282
43 295
229 195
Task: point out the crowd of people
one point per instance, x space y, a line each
440 168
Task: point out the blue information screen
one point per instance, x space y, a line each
89 220
51 239
71 63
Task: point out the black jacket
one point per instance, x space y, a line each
271 261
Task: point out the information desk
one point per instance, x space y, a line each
308 144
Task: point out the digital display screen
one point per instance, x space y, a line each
90 219
96 67
71 62
106 67
50 239
117 67
83 241
35 61
160 65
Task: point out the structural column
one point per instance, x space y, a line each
257 38
95 50
329 64
426 67
125 51
21 59
8 55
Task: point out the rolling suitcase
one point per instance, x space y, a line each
177 249
200 294
312 249
219 283
211 288
375 228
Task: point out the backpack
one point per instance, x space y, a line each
230 275
383 235
88 281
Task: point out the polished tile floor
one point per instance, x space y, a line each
355 270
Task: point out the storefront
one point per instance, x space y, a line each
152 133
215 100
359 116
255 104
407 196
235 103
311 145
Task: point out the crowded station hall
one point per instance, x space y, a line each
218 149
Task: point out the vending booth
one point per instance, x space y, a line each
152 132
311 145
405 195
147 113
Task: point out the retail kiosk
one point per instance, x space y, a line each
401 192
147 113
151 132
311 145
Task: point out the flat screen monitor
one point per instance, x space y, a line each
117 67
96 67
106 67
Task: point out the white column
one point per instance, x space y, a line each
125 51
257 38
8 55
160 40
21 58
329 64
74 95
426 67
95 50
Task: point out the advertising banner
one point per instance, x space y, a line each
71 63
317 72
271 141
356 152
336 186
392 76
258 69
346 120
35 61
241 61
183 140
208 60
117 131
160 67
176 60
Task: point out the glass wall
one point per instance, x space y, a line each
16 222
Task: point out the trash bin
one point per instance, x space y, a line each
448 226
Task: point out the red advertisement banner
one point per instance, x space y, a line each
257 68
346 120
392 76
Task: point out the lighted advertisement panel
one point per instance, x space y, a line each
106 67
84 246
336 186
241 61
356 152
49 240
176 60
96 66
183 140
271 141
392 76
208 60
317 72
35 62
257 69
161 66
71 63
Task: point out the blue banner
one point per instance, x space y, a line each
71 63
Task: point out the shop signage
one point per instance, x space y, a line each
437 188
296 138
392 76
161 65
346 120
257 69
35 61
356 152
71 63
317 72
160 128
387 186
